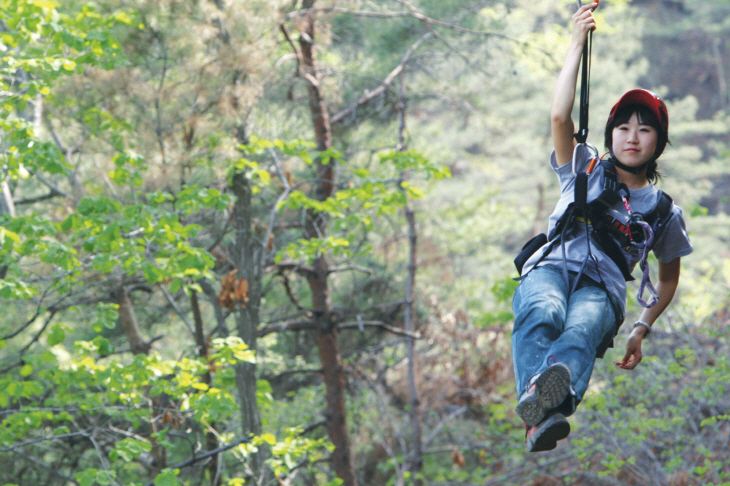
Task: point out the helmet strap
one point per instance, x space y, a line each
633 170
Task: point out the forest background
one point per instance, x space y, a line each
270 242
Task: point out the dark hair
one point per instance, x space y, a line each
646 117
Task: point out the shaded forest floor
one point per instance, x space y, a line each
664 424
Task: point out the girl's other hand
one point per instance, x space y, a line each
633 354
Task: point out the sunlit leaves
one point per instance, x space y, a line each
310 249
167 477
294 449
26 152
13 289
129 449
89 477
414 161
42 43
194 198
128 168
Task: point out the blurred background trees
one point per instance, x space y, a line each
211 212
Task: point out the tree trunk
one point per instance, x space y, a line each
416 454
247 260
6 207
211 441
137 344
316 227
128 321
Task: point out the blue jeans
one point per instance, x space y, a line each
550 326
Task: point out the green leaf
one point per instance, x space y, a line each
57 335
26 371
269 438
86 478
167 478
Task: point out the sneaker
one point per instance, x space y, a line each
547 393
545 435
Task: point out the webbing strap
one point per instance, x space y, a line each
582 134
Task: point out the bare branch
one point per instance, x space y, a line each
41 464
370 95
297 52
291 372
394 330
38 335
23 326
297 267
279 170
430 21
44 439
374 349
435 432
177 309
312 426
307 325
416 15
352 268
290 293
32 200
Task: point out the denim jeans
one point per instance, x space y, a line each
549 326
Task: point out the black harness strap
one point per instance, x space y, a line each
592 214
582 134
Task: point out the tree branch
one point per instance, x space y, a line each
435 432
304 270
370 95
41 464
38 335
291 372
426 20
307 325
394 330
43 439
289 292
177 308
351 268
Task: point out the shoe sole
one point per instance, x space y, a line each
547 439
551 388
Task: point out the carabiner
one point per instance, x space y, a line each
575 151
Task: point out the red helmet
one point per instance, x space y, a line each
645 98
650 100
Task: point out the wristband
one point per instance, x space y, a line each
643 324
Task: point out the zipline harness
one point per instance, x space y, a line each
598 216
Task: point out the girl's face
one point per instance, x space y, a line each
634 143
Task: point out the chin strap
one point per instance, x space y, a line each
633 170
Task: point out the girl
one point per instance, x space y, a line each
571 298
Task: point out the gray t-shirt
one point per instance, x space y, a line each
673 242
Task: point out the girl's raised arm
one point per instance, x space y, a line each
561 121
